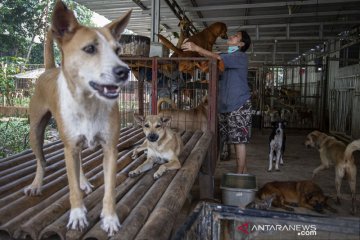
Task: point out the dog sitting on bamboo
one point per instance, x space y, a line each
162 144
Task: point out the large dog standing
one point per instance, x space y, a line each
162 144
82 96
335 152
205 39
296 194
191 120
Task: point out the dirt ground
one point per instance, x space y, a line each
299 162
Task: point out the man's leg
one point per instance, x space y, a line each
240 149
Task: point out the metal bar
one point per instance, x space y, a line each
277 16
264 5
155 22
154 86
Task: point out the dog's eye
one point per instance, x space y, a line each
147 125
90 49
157 126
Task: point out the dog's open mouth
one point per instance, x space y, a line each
107 91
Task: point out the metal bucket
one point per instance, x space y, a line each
238 189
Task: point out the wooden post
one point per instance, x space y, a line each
206 174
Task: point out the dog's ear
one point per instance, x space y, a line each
117 26
165 121
64 23
139 119
273 123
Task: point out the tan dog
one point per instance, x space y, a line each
162 144
205 39
82 96
296 194
191 120
335 152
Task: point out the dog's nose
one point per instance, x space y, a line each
225 36
152 137
121 73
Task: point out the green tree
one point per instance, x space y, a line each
22 21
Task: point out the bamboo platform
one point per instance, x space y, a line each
147 208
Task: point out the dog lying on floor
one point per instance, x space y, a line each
191 120
81 95
277 142
296 194
162 144
205 39
335 152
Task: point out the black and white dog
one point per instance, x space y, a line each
277 144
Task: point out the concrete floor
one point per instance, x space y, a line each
299 162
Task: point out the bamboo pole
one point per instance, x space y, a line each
140 213
50 169
161 220
92 203
52 213
124 143
25 202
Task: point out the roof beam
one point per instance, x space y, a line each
264 5
277 16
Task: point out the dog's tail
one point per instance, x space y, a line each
49 59
167 100
169 45
353 146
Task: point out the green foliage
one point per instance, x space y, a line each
13 136
23 21
9 66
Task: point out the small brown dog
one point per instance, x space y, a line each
335 152
296 194
162 144
191 120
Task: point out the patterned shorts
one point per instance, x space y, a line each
235 126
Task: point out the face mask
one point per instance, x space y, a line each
232 49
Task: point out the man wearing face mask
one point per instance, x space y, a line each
234 104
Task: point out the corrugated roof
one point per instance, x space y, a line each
286 28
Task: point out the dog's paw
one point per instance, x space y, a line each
269 170
86 186
110 224
134 173
134 155
32 190
159 172
77 219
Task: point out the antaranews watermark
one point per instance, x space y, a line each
301 229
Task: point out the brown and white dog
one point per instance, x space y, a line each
82 97
335 152
296 194
162 144
191 120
